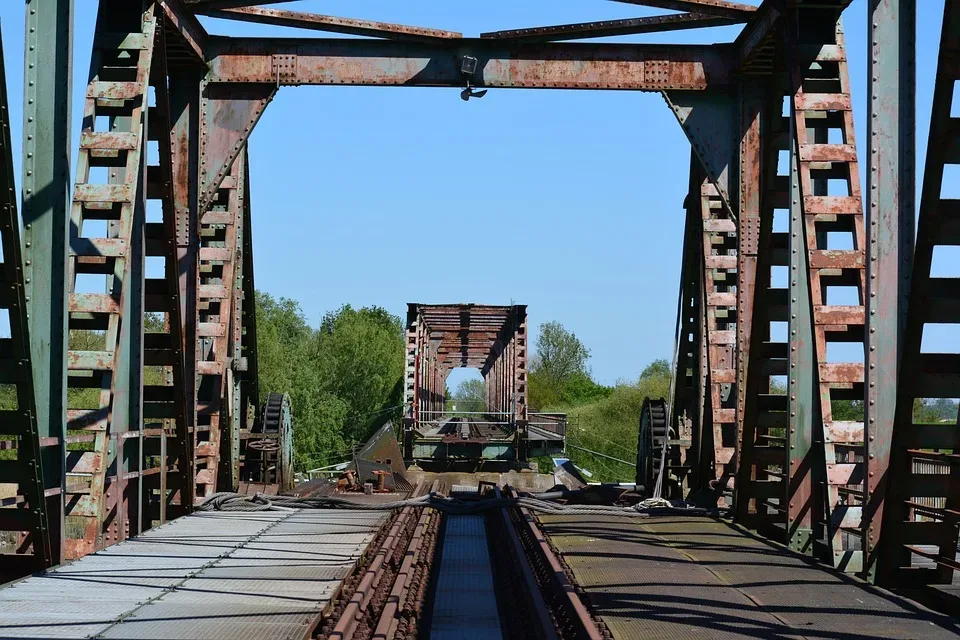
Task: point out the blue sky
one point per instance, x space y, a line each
569 202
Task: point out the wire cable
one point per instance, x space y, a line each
453 506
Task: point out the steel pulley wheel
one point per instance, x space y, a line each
654 430
264 445
272 414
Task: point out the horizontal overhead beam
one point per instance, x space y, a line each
722 8
290 61
329 23
606 28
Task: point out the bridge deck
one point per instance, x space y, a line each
206 575
694 577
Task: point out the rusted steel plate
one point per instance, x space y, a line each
842 431
840 205
104 90
841 372
108 140
822 102
222 254
90 360
99 247
107 193
723 337
836 259
212 292
87 419
550 65
211 329
93 303
206 368
723 375
722 225
846 517
844 474
82 505
828 153
838 315
721 262
85 462
724 415
722 299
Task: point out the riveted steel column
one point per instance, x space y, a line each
803 402
748 238
184 143
48 81
890 211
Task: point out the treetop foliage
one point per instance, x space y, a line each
343 377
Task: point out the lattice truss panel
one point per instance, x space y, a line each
218 294
922 509
166 448
761 486
720 266
106 227
831 203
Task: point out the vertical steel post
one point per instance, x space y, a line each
48 83
922 492
801 383
891 185
748 242
184 142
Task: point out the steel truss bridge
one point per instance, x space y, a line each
114 438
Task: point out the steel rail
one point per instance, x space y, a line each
562 585
353 613
530 588
387 624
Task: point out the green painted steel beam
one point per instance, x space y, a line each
890 211
48 81
802 387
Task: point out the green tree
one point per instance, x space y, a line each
560 374
287 361
659 368
560 354
360 361
471 395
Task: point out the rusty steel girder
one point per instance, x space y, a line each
287 62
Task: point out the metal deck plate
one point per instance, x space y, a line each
465 589
695 577
206 575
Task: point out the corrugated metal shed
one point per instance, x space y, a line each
207 575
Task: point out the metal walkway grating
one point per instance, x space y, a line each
206 575
688 577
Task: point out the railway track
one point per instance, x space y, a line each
402 588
